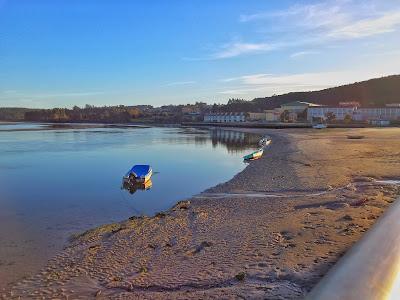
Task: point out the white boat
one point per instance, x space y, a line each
319 126
265 141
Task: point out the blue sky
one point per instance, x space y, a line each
62 53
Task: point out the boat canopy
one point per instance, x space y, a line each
139 171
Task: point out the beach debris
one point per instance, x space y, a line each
152 246
160 215
355 137
98 293
288 235
115 278
203 245
360 202
172 242
199 248
183 205
346 218
240 276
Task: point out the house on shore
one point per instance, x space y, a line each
230 117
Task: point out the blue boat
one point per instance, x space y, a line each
139 173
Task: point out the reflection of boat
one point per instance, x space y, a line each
132 187
138 174
255 155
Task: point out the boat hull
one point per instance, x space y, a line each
254 155
319 126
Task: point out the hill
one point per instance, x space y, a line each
370 93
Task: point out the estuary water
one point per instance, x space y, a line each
56 180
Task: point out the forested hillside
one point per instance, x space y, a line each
374 92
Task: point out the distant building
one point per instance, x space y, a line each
273 115
256 116
393 105
379 122
355 113
339 113
349 104
297 106
225 117
377 113
296 110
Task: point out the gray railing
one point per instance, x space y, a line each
371 268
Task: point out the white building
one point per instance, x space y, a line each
357 114
380 113
225 117
323 111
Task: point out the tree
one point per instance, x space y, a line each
134 113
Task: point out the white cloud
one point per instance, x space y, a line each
317 24
177 83
245 77
237 48
302 79
368 27
303 53
308 15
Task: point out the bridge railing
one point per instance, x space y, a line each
371 268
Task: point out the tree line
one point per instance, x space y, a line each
114 114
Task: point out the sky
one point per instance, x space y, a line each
56 53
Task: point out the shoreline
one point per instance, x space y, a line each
245 243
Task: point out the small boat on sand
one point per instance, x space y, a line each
255 155
265 141
139 174
320 126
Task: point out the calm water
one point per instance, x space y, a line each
55 182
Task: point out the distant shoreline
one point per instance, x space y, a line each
276 125
271 125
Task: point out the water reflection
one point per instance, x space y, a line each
133 187
234 141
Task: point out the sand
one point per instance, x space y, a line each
271 232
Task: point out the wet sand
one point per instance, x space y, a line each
271 232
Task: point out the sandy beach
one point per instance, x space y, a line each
270 232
